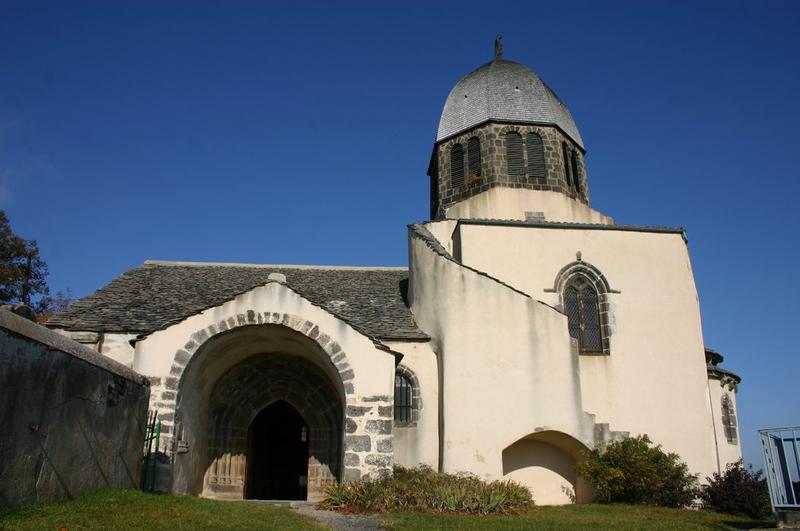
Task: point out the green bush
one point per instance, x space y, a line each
738 490
634 470
422 489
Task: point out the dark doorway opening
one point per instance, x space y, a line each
277 455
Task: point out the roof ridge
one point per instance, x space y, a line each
275 266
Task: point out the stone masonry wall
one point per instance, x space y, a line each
494 167
71 420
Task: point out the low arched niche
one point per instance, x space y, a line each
545 463
230 379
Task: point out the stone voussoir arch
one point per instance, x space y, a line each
367 437
182 356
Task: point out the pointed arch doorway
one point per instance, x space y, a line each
277 454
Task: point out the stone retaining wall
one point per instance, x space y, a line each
71 420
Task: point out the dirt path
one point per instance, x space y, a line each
339 521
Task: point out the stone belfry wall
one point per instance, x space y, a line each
494 170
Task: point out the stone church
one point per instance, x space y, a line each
527 328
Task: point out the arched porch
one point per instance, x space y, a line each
232 379
545 462
351 396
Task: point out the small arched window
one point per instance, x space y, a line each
403 398
474 157
535 147
728 419
582 307
514 154
456 166
567 169
576 172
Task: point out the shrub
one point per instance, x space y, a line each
738 490
420 489
634 470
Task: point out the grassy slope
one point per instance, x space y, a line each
579 517
130 509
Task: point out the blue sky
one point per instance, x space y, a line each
301 133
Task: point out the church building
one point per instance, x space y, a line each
527 328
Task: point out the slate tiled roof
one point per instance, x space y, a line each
157 294
503 91
572 225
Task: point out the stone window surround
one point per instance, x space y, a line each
416 400
600 283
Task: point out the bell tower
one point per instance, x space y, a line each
508 148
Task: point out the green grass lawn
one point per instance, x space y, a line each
131 509
579 517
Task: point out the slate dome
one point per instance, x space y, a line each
503 90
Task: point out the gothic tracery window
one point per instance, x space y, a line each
581 304
728 419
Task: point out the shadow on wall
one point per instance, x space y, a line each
545 463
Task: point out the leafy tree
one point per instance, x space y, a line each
634 470
52 305
738 490
22 270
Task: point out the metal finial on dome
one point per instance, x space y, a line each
498 46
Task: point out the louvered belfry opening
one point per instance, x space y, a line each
456 166
583 315
567 165
474 156
514 155
576 172
496 155
536 166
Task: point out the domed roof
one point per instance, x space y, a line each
505 91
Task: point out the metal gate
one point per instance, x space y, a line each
150 459
781 449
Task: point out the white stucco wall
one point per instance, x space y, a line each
419 444
117 346
507 368
654 381
443 232
511 203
